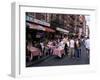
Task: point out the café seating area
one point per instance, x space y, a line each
44 50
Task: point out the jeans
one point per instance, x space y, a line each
78 52
71 52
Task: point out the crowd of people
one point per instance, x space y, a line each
71 46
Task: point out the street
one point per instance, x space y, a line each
65 60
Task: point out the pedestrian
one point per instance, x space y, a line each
61 44
66 43
42 46
71 47
46 49
87 45
78 48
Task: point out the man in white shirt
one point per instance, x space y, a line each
71 47
62 44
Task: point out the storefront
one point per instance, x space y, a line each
39 32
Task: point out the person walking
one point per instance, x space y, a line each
77 48
71 47
87 45
66 43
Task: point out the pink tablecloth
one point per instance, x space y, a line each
34 51
58 52
50 46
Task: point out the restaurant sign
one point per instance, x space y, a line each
32 19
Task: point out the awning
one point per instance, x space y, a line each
39 27
62 30
34 26
49 29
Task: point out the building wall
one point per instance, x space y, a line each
70 22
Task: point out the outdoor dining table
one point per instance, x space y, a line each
58 52
51 46
34 51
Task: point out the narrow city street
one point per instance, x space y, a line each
65 60
50 37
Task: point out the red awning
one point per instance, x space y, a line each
39 27
34 26
49 29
